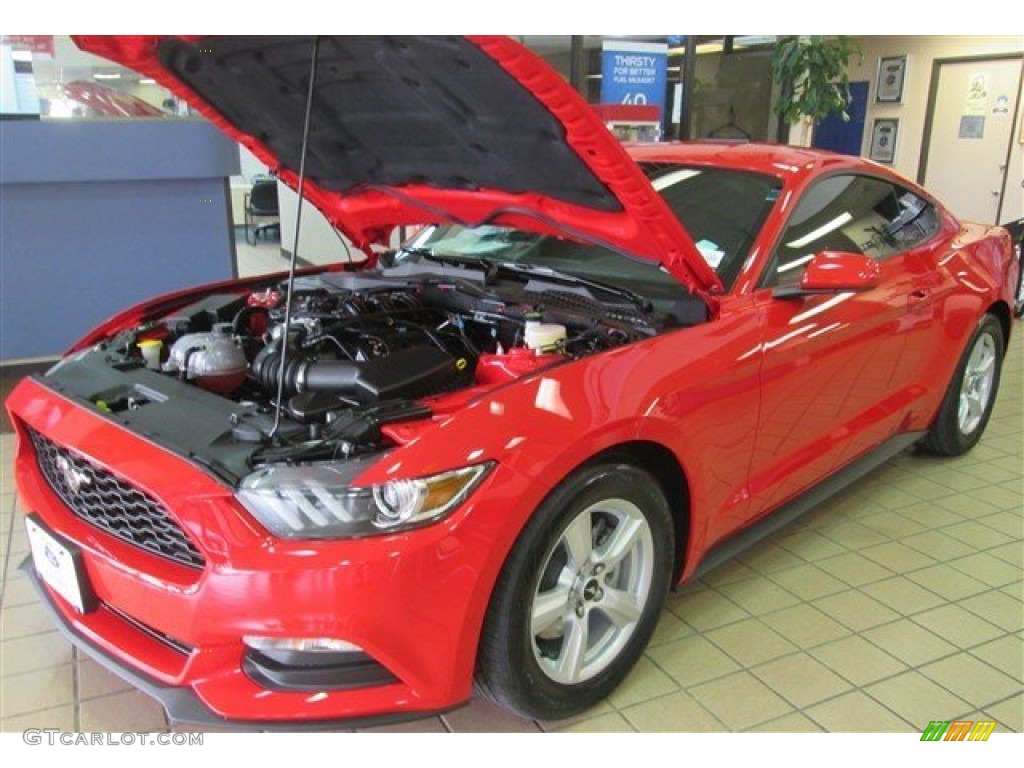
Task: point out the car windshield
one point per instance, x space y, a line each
722 210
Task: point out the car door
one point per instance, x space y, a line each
838 369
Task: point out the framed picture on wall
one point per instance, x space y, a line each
892 75
884 132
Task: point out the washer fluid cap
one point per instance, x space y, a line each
543 336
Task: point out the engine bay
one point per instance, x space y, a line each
362 350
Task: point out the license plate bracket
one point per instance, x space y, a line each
60 565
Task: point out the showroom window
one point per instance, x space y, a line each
851 214
53 79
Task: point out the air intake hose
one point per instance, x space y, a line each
409 372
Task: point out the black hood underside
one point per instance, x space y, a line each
389 111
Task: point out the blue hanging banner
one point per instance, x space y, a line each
634 73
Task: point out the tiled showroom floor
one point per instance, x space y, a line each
897 603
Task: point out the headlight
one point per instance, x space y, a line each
316 501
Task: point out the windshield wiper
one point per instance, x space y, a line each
492 269
535 270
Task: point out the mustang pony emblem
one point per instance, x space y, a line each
73 477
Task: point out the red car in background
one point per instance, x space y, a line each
488 454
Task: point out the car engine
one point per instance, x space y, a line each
363 350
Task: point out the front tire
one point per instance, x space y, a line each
967 406
580 594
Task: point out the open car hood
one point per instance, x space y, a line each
417 130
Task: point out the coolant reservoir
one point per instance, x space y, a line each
541 337
214 360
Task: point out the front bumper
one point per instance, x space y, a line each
413 602
182 704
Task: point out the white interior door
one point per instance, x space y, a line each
1013 198
972 128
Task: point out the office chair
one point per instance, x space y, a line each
262 202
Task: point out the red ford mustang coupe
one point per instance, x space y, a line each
488 453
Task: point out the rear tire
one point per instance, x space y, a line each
967 406
580 594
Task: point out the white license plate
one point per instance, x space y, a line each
59 564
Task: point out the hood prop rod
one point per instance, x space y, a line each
279 404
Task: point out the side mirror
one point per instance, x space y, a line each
834 272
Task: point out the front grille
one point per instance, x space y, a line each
105 501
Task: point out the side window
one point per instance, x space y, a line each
853 214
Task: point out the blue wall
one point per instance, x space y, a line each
95 216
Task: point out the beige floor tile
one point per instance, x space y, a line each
801 680
675 713
962 482
902 595
947 582
61 718
33 691
26 654
94 681
932 514
897 557
908 642
1000 498
972 680
692 660
129 711
1009 523
939 545
670 627
611 722
423 725
810 545
24 621
750 642
740 701
1005 654
18 591
855 712
808 582
855 610
918 699
704 609
484 716
1015 590
855 569
987 569
646 681
1012 553
968 505
805 626
855 536
857 660
728 572
976 535
758 596
892 497
791 723
998 608
893 524
1009 713
960 627
991 472
769 558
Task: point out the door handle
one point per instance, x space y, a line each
918 295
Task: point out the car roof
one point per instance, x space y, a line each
774 159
